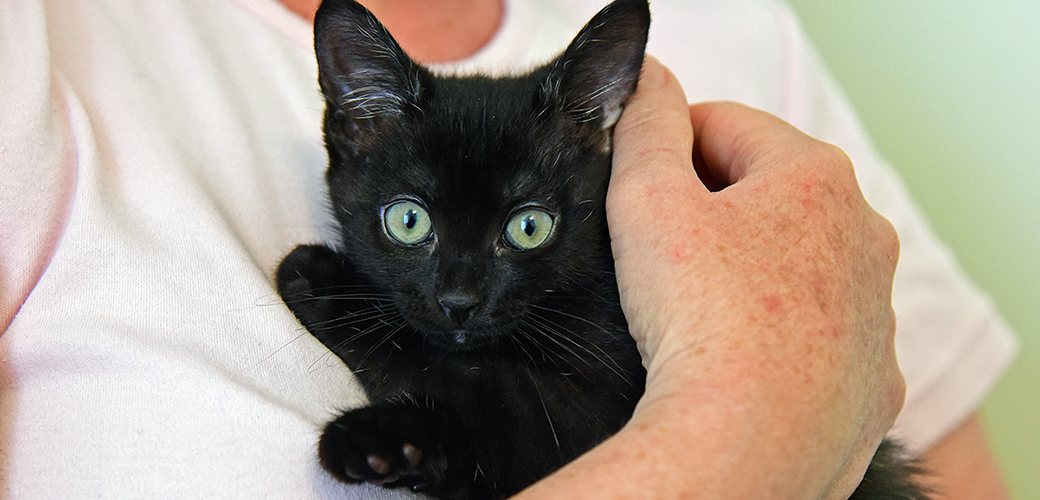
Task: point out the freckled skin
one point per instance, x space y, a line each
488 363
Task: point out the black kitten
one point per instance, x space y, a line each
474 293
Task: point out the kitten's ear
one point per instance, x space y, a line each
362 70
600 68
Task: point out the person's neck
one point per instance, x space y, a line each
429 31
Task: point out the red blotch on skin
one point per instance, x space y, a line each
830 333
773 304
678 251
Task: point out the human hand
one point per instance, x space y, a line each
762 310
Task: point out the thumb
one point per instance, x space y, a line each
652 178
652 158
653 140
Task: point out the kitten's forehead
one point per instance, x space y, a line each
482 147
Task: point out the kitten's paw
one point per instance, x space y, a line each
306 277
386 446
305 268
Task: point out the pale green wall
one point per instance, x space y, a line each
950 91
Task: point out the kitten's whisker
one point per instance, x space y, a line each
390 334
572 316
350 318
551 334
589 295
545 351
324 356
519 345
367 331
603 357
341 297
546 326
337 291
316 291
592 209
303 333
355 334
601 298
548 417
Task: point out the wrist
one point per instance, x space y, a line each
740 440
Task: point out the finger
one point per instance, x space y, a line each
734 141
653 140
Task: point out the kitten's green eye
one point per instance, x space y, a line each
528 229
407 223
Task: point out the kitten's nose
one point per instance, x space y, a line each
459 306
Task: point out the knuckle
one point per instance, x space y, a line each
896 394
835 157
835 169
887 240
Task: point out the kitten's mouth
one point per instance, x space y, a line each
459 340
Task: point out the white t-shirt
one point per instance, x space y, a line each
157 159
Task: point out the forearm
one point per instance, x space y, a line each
704 440
726 429
961 465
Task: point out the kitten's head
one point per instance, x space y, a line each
474 200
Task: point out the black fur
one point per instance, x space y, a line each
487 366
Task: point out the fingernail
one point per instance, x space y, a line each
653 75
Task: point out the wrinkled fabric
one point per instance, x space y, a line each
157 159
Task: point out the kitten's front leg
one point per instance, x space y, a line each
330 297
395 445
